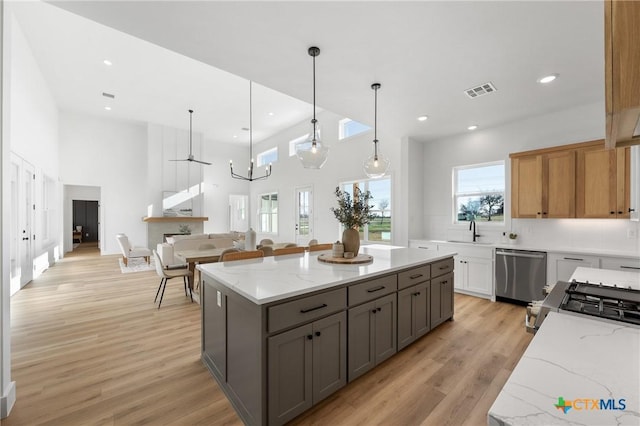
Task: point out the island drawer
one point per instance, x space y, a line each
302 310
442 267
414 276
372 289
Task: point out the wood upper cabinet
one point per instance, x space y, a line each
603 183
543 185
622 80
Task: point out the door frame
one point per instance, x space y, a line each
303 240
22 232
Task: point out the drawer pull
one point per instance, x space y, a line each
304 311
443 267
373 290
574 258
629 267
414 276
443 282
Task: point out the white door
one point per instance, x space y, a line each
238 212
22 219
304 215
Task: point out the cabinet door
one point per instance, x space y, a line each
406 315
526 187
290 374
562 266
620 264
623 183
421 301
329 355
460 268
596 183
559 184
361 340
385 343
441 299
479 275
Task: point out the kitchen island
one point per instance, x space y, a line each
276 331
578 369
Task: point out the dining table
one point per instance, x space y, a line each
193 257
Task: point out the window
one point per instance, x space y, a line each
478 193
347 128
267 157
296 141
379 229
48 211
268 214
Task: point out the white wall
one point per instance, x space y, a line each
111 155
344 163
558 128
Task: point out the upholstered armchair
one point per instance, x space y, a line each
129 252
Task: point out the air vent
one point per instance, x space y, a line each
108 95
483 89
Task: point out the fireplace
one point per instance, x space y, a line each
158 228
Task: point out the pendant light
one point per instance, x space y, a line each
312 153
249 176
376 165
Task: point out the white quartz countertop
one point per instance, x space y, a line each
555 249
576 358
276 278
626 279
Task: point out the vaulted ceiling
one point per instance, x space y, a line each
425 54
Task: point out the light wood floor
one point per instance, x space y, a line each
90 348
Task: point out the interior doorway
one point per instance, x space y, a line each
22 219
304 215
85 221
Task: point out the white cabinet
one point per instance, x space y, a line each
620 263
560 266
473 269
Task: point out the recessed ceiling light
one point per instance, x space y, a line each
472 127
423 118
235 136
548 78
107 62
108 108
271 114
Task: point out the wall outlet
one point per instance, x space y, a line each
631 233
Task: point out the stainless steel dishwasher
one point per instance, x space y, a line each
520 274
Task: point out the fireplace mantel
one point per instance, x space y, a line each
174 219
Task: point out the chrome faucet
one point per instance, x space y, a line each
472 228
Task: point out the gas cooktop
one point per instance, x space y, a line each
615 303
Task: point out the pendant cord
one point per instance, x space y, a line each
314 99
190 130
250 122
375 123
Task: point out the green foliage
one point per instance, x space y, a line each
353 213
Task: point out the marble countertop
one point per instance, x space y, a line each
518 246
276 278
576 358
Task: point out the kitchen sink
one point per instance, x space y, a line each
467 242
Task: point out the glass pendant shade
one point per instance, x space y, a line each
312 153
376 166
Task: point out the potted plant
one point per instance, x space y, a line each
512 237
352 213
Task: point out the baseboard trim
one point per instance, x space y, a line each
7 400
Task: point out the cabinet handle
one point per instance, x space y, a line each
373 311
416 293
612 212
318 334
413 277
443 282
443 267
309 337
379 309
304 311
629 267
631 210
574 258
539 212
619 212
373 290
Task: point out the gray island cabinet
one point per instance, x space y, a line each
280 334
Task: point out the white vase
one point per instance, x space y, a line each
512 241
250 239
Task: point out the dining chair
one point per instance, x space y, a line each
287 245
226 251
267 250
288 250
266 241
241 255
313 242
167 274
318 247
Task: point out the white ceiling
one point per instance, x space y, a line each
425 54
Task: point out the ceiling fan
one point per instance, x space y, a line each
190 157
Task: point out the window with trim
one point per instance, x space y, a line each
296 141
379 229
267 157
478 193
268 213
348 127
